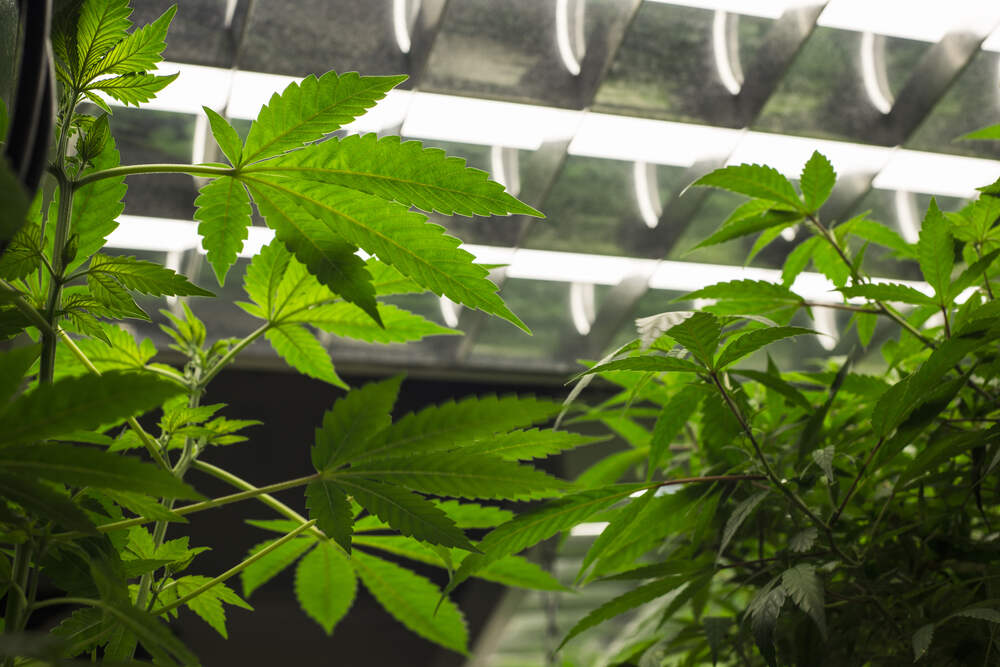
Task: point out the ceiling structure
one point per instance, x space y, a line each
598 113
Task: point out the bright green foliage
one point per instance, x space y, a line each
325 584
312 108
413 600
224 215
404 172
824 491
69 496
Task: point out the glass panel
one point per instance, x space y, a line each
314 36
198 33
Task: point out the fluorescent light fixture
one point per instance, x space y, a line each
487 122
200 139
992 42
906 216
728 71
195 86
563 42
825 321
922 20
252 90
230 12
401 25
588 529
151 234
654 141
873 75
769 9
936 173
647 195
505 168
581 306
449 311
789 154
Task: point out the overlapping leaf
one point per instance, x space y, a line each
352 422
224 215
328 504
325 585
404 172
303 352
139 51
309 109
754 180
391 232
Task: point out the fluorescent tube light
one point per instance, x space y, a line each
727 70
487 122
195 86
923 20
789 154
936 173
769 9
563 41
401 25
588 529
654 141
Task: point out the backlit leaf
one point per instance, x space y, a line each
226 136
413 601
325 585
530 444
754 180
139 51
346 320
936 250
145 277
353 421
223 215
328 504
133 88
309 109
303 352
405 172
101 24
817 180
888 292
750 342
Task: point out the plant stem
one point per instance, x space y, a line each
28 310
857 479
55 285
236 569
204 505
842 306
135 169
233 351
267 499
145 438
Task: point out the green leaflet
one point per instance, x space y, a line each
43 501
617 527
413 601
623 603
745 224
139 51
472 515
752 296
673 416
936 251
754 180
116 351
394 234
806 590
750 342
921 640
876 232
406 512
817 180
509 571
328 504
405 172
888 292
658 364
764 610
798 259
347 321
530 444
24 254
97 205
101 25
775 382
700 335
81 403
740 514
226 136
532 527
450 425
325 585
352 422
154 635
84 466
303 352
14 364
208 605
321 249
224 215
388 280
307 110
144 277
457 474
263 276
135 88
261 571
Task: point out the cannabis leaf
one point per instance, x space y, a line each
325 585
224 215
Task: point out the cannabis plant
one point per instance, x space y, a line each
94 503
842 512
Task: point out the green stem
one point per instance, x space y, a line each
236 569
28 310
857 479
202 506
233 351
145 438
269 500
135 169
842 306
63 223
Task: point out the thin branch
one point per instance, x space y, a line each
236 569
136 169
236 349
857 479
